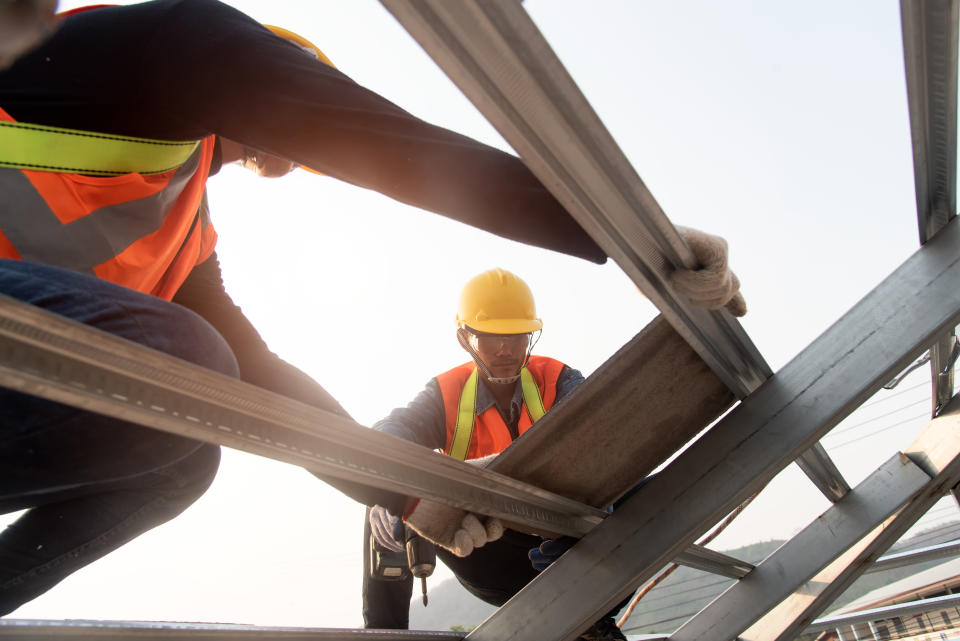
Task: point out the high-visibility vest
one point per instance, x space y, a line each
128 210
472 436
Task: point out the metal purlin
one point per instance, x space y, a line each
497 56
930 59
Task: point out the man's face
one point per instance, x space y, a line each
503 354
267 165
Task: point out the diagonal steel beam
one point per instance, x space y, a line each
937 452
497 56
52 357
930 60
707 560
747 448
820 468
796 561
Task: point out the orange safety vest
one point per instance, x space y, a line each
145 232
490 434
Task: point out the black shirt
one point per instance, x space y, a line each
184 69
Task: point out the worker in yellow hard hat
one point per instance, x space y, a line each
470 412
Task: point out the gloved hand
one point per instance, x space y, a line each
386 528
452 528
712 285
549 551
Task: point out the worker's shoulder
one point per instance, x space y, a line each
546 362
461 371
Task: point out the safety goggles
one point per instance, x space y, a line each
484 342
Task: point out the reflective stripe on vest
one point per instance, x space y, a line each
38 235
42 148
531 396
142 230
467 409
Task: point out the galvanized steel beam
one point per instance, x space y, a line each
497 56
888 612
912 557
52 357
930 30
930 57
31 630
707 560
744 451
495 53
937 452
805 554
820 468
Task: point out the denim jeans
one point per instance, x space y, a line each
90 483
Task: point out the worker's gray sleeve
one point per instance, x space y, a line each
569 378
204 293
422 421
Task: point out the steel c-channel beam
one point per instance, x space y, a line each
494 52
54 358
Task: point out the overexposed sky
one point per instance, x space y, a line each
780 126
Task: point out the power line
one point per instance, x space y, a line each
870 420
875 432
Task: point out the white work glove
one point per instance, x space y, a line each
386 528
452 528
712 285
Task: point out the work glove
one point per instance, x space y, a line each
454 529
712 285
386 528
549 551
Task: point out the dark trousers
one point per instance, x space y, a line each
90 483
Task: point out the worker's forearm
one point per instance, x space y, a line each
203 292
284 102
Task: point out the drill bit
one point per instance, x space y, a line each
423 587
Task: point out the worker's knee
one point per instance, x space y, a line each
120 311
181 332
189 478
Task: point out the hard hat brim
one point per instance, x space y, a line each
506 325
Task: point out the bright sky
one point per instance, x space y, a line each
780 126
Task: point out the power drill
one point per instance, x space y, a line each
418 559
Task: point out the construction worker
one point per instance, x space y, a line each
110 128
473 411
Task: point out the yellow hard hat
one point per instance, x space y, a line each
303 42
300 40
498 302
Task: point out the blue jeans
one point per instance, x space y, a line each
90 483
